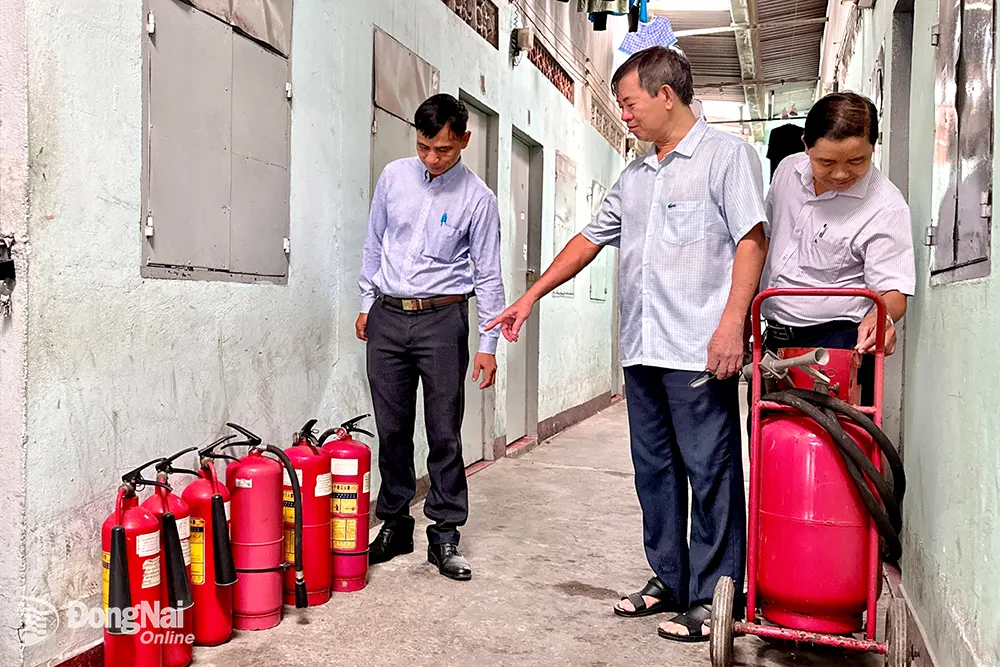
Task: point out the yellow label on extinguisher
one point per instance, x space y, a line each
344 499
197 551
289 543
344 535
105 577
289 504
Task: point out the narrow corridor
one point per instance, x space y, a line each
554 539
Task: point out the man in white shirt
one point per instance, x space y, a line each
688 218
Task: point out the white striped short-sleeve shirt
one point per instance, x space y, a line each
859 238
677 223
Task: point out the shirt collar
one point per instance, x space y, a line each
686 146
857 191
443 178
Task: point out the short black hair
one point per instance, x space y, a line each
439 111
658 66
840 116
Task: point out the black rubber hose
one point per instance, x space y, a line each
864 421
886 518
301 593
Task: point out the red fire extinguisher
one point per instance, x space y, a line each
175 567
312 467
349 505
212 570
260 551
130 546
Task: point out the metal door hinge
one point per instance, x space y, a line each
374 126
985 208
288 90
935 35
287 245
150 24
149 227
930 235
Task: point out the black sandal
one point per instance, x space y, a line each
654 589
693 619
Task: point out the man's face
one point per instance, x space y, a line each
441 153
644 115
837 165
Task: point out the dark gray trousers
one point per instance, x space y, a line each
431 347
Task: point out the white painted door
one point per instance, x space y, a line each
476 158
518 353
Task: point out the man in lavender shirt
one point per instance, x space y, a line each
433 242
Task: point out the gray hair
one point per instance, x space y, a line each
659 66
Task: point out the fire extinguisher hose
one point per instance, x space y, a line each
823 410
301 593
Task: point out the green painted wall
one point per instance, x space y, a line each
951 424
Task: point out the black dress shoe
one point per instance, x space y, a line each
449 561
393 540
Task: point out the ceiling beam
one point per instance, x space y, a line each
748 48
792 23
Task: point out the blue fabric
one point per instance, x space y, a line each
681 434
658 32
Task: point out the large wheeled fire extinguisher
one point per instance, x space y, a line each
312 467
175 567
349 505
130 546
260 551
213 573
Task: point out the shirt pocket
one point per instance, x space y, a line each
684 222
443 242
821 259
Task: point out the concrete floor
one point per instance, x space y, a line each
554 538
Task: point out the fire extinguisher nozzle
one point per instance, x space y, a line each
178 587
301 594
119 596
225 568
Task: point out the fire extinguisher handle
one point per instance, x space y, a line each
351 423
362 431
205 451
134 477
252 438
164 464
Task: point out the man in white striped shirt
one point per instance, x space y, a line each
837 221
688 218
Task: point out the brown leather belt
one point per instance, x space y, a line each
429 303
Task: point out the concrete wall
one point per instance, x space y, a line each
13 331
121 369
950 423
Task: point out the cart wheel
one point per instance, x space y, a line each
720 644
898 652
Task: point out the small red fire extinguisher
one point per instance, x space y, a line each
349 505
260 551
312 467
175 571
130 546
212 570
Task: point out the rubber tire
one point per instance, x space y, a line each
720 643
898 653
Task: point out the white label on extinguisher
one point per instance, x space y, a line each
147 545
287 481
151 573
366 486
227 510
345 466
244 483
184 533
184 528
324 485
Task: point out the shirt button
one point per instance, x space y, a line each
798 230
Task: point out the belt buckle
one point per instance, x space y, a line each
410 305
